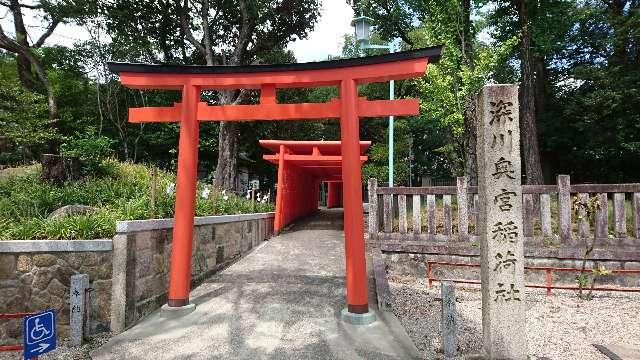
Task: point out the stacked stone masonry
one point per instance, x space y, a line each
128 275
144 286
31 282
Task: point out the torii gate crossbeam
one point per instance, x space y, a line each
346 74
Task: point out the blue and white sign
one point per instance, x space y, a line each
39 333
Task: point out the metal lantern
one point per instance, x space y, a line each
362 25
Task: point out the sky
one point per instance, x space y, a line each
328 34
326 38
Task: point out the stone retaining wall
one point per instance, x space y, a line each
142 251
35 275
128 274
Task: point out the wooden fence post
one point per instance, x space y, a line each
387 216
564 209
545 216
635 206
463 207
619 218
602 220
431 214
373 209
402 213
527 215
446 214
583 224
476 213
417 215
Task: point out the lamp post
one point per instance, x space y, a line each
362 26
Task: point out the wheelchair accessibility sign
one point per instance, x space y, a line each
39 333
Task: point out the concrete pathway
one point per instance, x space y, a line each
282 301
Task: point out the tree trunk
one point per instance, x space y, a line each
229 136
620 33
226 169
23 64
530 150
471 138
466 38
541 83
27 61
470 121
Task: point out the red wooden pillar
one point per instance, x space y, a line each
357 287
331 194
334 194
278 221
180 270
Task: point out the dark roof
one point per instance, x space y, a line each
433 53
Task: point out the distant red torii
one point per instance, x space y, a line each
302 166
346 74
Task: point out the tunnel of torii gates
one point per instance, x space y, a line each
345 74
302 166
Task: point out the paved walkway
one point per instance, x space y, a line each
282 301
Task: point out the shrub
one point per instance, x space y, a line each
121 192
89 147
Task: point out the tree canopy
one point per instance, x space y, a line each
578 64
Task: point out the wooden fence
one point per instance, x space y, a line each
449 213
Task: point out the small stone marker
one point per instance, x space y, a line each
500 221
77 291
448 323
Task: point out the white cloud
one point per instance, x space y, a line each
328 35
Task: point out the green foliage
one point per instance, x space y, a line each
586 59
587 53
122 193
378 164
90 147
23 114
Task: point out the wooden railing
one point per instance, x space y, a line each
450 213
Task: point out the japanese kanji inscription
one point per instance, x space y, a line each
500 192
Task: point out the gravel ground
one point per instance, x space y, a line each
559 327
64 351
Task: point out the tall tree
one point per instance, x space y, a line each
462 70
217 32
592 126
541 27
50 13
528 84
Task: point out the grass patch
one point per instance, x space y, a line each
123 192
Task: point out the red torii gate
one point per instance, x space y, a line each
334 194
349 108
302 165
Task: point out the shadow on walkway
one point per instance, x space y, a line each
282 301
324 219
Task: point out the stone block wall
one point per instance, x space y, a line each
128 274
142 257
35 276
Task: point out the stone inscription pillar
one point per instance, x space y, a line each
500 221
77 290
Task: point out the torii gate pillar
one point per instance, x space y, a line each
357 282
180 281
334 194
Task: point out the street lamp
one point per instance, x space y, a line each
362 26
